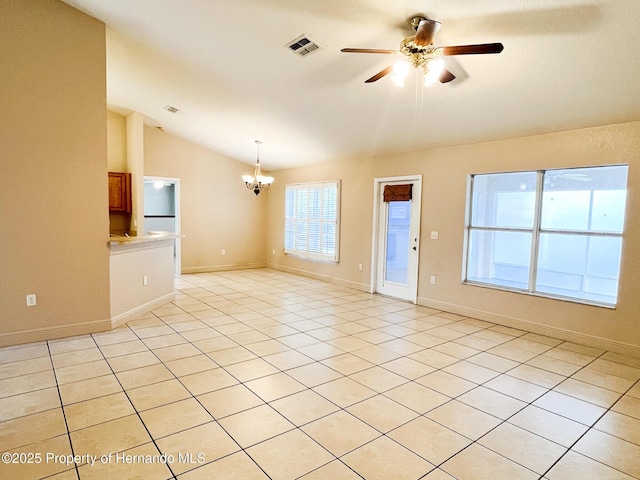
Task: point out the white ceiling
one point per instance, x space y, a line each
224 64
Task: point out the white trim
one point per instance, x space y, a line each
308 186
178 221
144 308
51 333
533 327
535 231
363 287
375 227
222 268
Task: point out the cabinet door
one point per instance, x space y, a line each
119 192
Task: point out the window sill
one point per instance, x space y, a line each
549 296
312 259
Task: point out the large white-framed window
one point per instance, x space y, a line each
312 220
555 233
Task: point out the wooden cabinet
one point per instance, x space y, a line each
119 192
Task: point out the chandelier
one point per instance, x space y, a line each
257 182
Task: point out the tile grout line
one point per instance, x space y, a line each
198 400
268 403
315 361
592 427
503 421
567 449
460 360
133 406
344 409
296 427
64 413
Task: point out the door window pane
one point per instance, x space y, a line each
398 242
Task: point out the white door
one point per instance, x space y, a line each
397 241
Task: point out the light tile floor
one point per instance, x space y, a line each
258 374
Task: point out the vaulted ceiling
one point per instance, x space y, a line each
226 67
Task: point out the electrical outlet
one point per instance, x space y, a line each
433 279
273 251
360 266
145 280
434 235
224 252
31 300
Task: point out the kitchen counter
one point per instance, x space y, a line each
155 237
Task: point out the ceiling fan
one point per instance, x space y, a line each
421 53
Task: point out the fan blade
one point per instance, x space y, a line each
368 50
427 29
446 76
379 75
470 49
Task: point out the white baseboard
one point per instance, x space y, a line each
555 332
222 268
53 332
324 278
144 308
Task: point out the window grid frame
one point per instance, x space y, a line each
536 231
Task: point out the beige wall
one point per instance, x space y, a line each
53 201
445 173
129 264
217 210
116 142
119 222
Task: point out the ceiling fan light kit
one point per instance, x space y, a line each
421 53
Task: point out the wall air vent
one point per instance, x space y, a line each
303 45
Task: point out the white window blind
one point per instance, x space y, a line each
312 220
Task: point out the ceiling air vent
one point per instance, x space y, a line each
303 45
171 109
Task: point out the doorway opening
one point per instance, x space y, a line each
162 211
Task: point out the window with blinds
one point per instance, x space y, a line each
312 220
